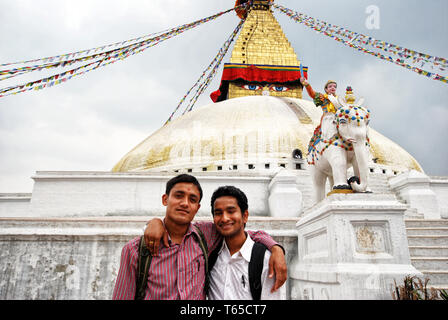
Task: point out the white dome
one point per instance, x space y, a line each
255 130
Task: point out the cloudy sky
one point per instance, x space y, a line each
90 122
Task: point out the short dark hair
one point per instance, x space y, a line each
183 178
230 191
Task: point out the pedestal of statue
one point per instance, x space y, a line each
351 246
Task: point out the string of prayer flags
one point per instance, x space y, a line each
402 54
102 59
212 69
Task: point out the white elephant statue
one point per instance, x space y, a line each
345 144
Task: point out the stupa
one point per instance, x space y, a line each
258 119
64 240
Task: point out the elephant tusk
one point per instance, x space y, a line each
351 140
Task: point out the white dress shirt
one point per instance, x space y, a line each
229 278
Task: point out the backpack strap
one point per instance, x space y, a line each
255 270
214 255
212 260
143 263
203 244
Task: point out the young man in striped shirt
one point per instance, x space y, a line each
177 270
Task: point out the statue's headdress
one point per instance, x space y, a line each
349 96
328 82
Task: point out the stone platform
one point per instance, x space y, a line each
351 246
63 240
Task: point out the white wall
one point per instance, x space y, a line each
15 204
440 186
79 258
105 193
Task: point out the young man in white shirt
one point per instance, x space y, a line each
229 278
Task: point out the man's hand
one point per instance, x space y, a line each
154 232
303 81
277 267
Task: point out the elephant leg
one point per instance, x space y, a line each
319 180
355 167
331 182
361 158
357 174
338 165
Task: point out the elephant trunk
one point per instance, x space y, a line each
361 158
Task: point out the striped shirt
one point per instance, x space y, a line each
178 272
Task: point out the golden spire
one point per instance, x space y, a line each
262 40
263 44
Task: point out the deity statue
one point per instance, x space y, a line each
340 141
326 128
